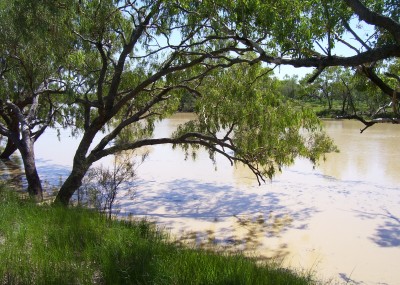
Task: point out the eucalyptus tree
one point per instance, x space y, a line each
31 51
137 59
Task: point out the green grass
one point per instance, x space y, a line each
55 245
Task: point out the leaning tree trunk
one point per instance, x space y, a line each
8 150
11 146
35 189
70 185
79 168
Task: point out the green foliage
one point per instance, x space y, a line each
127 64
53 245
187 103
267 130
35 42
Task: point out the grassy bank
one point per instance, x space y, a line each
52 245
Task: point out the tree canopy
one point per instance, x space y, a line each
139 58
123 65
312 29
32 55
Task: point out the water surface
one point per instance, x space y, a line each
340 219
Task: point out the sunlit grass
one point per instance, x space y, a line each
54 245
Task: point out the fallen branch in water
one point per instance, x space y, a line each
371 122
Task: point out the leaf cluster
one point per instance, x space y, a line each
242 108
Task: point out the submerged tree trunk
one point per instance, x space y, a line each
11 147
8 150
35 189
70 186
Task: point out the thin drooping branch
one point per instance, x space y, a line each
192 138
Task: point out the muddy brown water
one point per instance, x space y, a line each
340 220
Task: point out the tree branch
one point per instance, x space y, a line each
192 138
136 117
375 19
370 73
369 123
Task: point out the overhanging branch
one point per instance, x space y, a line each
375 19
192 138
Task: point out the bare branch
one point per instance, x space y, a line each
347 44
370 123
347 26
136 33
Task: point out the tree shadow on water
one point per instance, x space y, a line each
196 199
388 233
254 216
349 280
12 171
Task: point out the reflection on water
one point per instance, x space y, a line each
11 171
372 156
341 219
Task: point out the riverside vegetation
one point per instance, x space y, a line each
111 69
57 245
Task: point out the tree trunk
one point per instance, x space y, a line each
80 166
395 102
8 150
344 103
28 157
70 186
11 147
351 103
329 103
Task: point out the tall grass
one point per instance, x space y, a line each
54 245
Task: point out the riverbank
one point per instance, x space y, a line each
52 245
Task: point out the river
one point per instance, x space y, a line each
339 220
